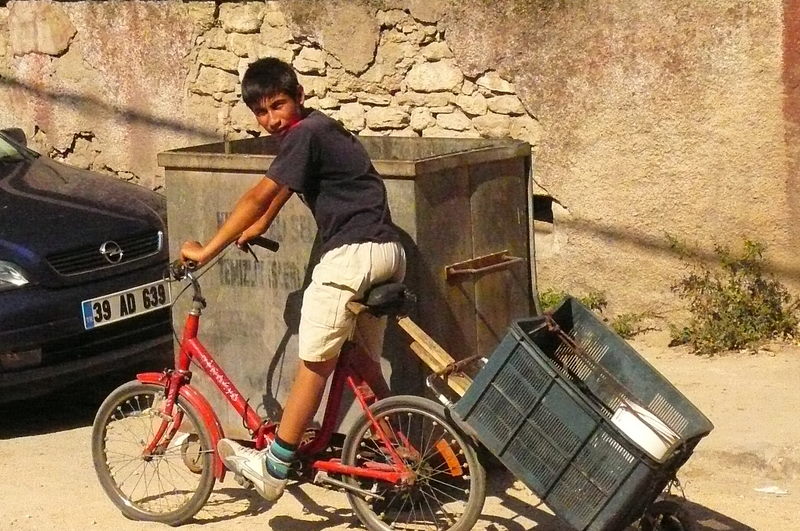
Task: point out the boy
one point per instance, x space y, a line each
330 169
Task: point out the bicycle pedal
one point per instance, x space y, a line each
243 481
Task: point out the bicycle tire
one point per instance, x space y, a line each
119 462
439 473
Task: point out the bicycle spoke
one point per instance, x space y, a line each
399 511
434 490
123 467
171 483
161 483
444 494
122 424
139 479
430 450
180 471
433 513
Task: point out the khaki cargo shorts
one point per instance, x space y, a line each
342 275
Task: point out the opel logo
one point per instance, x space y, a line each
111 251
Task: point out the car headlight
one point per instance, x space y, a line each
11 276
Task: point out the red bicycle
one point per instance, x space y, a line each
404 464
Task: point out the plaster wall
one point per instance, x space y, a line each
646 118
657 117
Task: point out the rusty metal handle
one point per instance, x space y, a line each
483 264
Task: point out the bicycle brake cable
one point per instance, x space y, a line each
199 275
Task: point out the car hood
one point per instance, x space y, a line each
47 207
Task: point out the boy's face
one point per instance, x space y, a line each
277 113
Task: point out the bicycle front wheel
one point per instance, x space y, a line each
169 484
449 488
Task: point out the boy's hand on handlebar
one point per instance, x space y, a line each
245 237
193 251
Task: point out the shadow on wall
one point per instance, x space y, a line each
661 244
134 117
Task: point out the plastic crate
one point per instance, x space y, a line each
543 405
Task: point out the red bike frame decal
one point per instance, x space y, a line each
193 350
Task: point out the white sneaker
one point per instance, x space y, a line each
251 464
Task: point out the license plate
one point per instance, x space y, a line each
125 304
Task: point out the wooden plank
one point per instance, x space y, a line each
456 381
426 356
440 356
433 355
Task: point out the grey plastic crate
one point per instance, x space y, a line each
543 405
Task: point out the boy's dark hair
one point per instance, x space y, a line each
266 77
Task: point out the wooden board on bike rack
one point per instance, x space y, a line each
427 350
433 355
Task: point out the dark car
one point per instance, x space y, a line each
82 260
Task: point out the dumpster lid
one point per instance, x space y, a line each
391 156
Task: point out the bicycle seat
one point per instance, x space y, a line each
387 299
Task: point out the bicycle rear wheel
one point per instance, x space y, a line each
450 486
172 483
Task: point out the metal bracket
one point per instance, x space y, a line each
481 265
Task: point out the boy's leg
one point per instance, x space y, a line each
304 398
325 323
268 469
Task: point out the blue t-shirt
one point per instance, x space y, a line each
329 168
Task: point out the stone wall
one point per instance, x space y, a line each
645 118
134 92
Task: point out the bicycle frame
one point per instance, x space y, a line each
177 382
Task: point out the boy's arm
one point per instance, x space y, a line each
264 222
256 203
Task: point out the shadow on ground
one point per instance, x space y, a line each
65 409
229 503
516 500
705 519
509 507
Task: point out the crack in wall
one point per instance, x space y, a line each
56 153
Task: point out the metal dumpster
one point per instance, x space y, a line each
461 205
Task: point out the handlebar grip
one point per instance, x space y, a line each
178 269
266 243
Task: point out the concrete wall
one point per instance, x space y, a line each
646 117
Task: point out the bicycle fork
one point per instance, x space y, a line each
175 384
159 442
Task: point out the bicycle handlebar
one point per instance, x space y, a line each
178 269
266 243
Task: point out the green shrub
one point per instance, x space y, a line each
549 300
628 325
595 300
735 305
